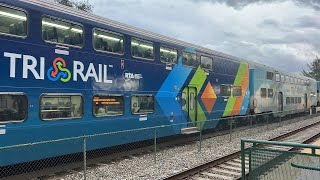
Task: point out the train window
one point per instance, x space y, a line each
295 81
142 49
299 100
270 75
263 92
192 102
13 22
108 41
142 104
282 78
62 32
108 105
225 90
168 55
237 91
288 100
270 93
206 62
292 100
296 100
287 79
184 101
13 107
189 59
291 80
61 106
277 77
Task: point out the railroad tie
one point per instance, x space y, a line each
216 176
226 172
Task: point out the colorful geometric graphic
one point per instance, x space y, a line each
209 97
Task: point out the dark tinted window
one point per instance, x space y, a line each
189 59
108 41
206 62
168 55
54 107
237 91
263 92
142 104
61 32
225 90
13 107
108 105
288 100
13 22
270 75
142 49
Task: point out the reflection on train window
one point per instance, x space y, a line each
142 104
13 22
270 93
288 100
277 77
184 101
287 79
237 91
108 105
225 90
189 59
292 100
270 75
168 55
263 92
142 49
54 107
206 62
192 101
299 100
282 78
57 31
108 41
13 107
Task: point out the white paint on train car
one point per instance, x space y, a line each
3 131
62 52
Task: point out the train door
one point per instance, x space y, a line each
189 104
306 100
280 101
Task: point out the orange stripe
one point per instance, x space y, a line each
239 100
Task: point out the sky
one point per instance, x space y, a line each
279 33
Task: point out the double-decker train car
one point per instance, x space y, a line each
66 73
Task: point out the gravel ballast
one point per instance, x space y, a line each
173 160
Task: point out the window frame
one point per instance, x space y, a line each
230 87
66 21
27 114
165 46
211 62
27 21
266 95
116 95
233 91
195 59
143 40
111 32
62 94
154 104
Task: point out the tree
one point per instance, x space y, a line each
313 69
78 4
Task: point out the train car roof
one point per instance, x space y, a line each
115 24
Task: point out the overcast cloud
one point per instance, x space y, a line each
278 33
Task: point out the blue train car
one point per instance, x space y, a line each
66 73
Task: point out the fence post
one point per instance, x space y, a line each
155 145
200 138
243 163
230 124
85 158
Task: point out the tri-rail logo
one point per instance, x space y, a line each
58 71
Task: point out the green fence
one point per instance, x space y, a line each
266 160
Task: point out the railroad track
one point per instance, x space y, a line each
229 167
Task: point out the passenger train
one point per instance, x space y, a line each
66 73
